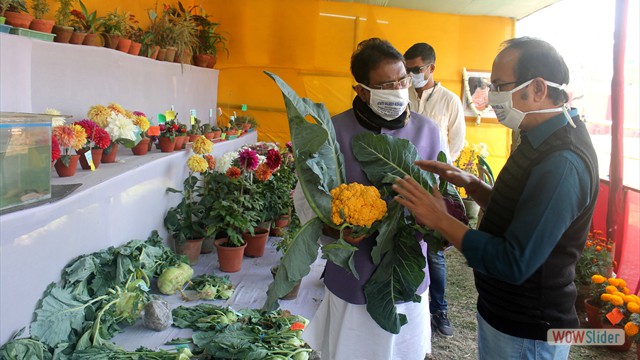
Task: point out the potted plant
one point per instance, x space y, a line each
246 122
85 22
468 161
4 5
113 27
184 36
167 138
16 15
211 132
196 130
617 306
141 121
63 28
596 258
119 123
185 221
40 8
70 138
98 139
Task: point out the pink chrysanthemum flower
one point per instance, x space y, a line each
101 138
248 159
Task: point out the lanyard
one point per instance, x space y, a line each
431 94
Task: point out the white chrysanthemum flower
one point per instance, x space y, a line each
261 159
224 163
121 127
57 120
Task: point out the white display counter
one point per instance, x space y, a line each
116 203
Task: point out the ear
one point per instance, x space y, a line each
432 67
539 87
363 93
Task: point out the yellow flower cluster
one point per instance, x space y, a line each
81 137
202 145
356 204
468 160
142 122
197 163
100 115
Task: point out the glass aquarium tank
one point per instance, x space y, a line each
25 158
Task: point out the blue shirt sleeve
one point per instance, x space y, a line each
555 194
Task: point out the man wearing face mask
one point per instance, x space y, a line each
429 98
437 103
537 214
342 328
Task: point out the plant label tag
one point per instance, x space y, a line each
161 119
170 115
244 107
89 158
615 316
153 130
193 119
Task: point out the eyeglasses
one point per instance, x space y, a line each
391 85
496 87
417 69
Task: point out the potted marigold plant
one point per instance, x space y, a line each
618 304
186 222
596 258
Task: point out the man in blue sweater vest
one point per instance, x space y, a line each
537 215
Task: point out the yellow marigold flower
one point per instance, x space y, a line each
636 299
616 300
81 137
633 307
202 145
612 281
621 283
631 329
142 122
197 164
99 115
356 204
629 299
611 289
598 279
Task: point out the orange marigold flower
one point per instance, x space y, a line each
631 329
297 326
625 290
605 297
612 281
633 307
621 284
263 172
598 248
611 289
598 279
616 300
233 172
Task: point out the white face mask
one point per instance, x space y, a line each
502 104
418 80
388 104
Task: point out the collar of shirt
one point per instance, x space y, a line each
541 132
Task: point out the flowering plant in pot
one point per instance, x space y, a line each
468 160
15 13
70 139
119 123
84 21
187 221
141 121
98 139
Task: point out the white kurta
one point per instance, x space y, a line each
445 109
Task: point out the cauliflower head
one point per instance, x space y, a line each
357 205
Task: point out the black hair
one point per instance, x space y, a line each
537 58
368 55
422 50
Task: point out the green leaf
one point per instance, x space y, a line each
388 229
23 349
59 317
296 262
396 279
318 160
341 253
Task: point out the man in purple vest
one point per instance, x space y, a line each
537 214
342 328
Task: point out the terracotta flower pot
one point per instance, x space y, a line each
201 60
42 25
63 33
111 41
77 38
255 243
166 144
16 19
124 45
191 248
170 55
180 141
162 53
92 40
594 316
628 341
110 157
212 61
67 170
207 245
294 292
278 225
229 257
193 138
96 158
135 48
209 135
142 147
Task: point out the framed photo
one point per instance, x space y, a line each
475 93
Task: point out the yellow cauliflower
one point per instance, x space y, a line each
356 204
